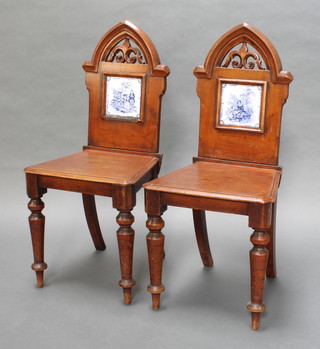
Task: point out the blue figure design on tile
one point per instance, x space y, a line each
124 99
240 105
131 99
239 113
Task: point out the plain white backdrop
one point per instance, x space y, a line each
44 105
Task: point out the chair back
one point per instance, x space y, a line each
125 82
242 89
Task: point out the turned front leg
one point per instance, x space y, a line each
36 222
125 236
258 266
155 244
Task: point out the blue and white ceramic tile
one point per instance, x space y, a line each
240 105
123 97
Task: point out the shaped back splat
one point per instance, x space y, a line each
242 89
125 81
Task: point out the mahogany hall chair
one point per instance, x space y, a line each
242 89
125 82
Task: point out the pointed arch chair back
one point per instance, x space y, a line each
242 89
125 82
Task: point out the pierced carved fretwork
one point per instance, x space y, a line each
240 59
125 53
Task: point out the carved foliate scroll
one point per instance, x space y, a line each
243 58
125 53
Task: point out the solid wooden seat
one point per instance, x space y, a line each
221 181
97 166
125 82
242 89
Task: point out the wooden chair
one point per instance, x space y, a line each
125 82
242 89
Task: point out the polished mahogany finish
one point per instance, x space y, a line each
122 151
236 170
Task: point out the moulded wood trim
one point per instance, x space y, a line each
124 151
215 196
241 163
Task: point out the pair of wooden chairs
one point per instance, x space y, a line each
242 89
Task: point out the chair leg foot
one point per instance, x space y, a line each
255 321
127 296
256 310
39 269
125 236
39 275
156 301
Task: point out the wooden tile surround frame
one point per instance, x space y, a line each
236 170
121 154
